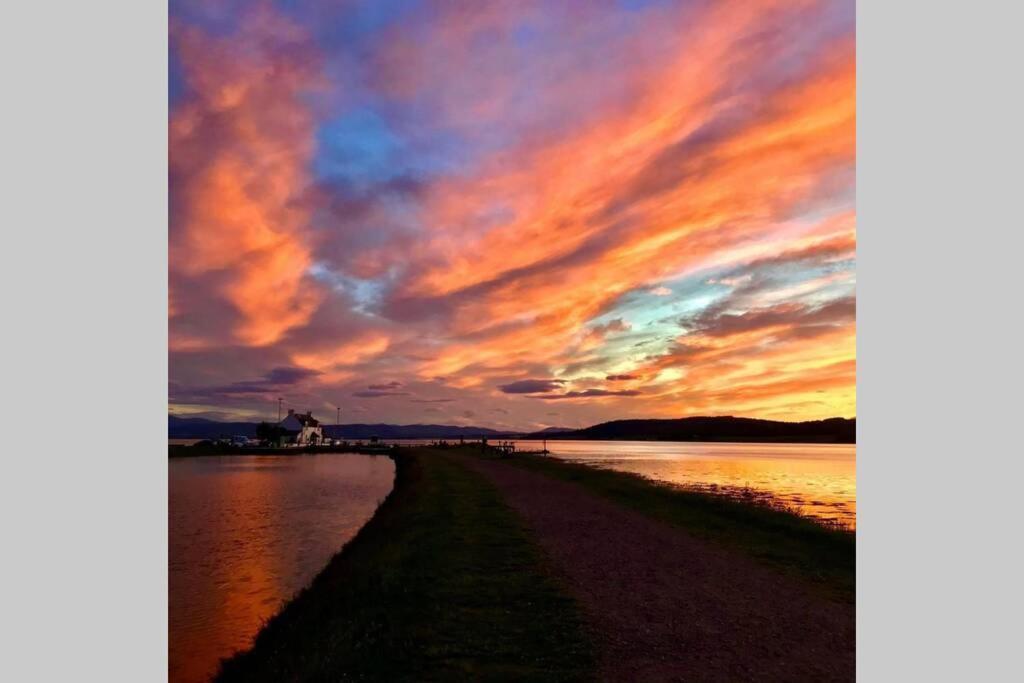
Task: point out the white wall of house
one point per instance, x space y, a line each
307 434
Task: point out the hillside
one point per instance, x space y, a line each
201 428
832 430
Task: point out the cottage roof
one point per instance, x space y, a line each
306 420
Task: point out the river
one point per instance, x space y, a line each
246 533
819 480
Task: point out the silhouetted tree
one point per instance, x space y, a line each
268 432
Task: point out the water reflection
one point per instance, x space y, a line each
246 533
816 479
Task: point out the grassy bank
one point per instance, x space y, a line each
442 584
786 541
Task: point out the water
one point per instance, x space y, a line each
819 480
246 533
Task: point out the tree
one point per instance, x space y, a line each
268 433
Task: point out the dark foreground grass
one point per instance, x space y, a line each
782 539
442 584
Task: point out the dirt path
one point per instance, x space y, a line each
669 607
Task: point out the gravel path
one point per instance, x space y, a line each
666 606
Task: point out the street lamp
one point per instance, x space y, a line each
279 410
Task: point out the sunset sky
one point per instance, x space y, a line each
512 214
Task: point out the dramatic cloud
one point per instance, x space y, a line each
240 146
617 325
792 317
290 375
591 393
419 202
531 386
385 387
274 381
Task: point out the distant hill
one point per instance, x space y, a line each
832 430
386 431
201 428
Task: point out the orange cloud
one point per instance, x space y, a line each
621 204
345 354
708 153
240 145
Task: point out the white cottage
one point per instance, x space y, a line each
302 430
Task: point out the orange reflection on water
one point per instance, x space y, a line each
246 533
819 480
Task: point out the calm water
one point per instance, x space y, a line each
817 479
246 533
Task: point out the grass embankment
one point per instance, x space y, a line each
781 539
442 584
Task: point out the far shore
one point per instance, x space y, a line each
714 429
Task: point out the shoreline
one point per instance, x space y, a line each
758 527
706 439
744 493
514 437
196 451
377 609
440 584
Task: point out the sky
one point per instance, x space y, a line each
512 214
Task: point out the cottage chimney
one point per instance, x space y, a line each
291 411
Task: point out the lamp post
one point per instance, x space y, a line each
277 427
